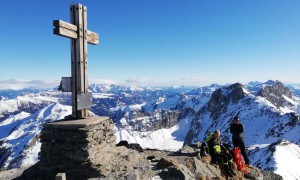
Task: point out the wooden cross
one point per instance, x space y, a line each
80 36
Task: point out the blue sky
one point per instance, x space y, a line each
155 42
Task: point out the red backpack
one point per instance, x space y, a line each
239 160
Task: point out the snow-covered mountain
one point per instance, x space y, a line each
21 121
281 157
164 118
11 94
269 112
295 88
23 112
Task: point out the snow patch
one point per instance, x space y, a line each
164 139
287 161
103 95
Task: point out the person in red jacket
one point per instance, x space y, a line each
237 131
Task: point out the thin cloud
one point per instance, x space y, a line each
41 84
103 81
21 84
137 81
192 80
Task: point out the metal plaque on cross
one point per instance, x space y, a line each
80 36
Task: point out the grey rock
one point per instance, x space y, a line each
179 172
275 94
221 98
271 176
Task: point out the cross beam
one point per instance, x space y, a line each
68 30
80 37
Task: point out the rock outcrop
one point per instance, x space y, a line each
222 97
275 94
158 119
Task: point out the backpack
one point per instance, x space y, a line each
204 147
211 135
239 160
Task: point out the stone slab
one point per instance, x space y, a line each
74 124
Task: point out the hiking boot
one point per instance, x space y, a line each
249 166
230 165
232 172
227 171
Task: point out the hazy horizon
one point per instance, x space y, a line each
16 84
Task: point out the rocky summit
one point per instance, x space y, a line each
85 149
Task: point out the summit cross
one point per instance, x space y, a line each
77 31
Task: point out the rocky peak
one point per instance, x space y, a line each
223 96
237 92
274 93
270 82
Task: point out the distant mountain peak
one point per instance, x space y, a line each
223 96
277 93
238 92
254 83
271 82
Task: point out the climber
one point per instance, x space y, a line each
220 154
237 131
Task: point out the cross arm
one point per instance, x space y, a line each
92 38
65 29
68 30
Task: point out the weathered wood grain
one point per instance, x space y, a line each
63 24
64 32
73 66
69 30
84 54
92 38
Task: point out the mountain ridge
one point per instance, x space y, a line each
140 113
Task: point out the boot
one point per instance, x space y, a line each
230 165
227 171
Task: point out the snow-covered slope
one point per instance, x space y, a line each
286 158
266 120
170 139
19 135
281 157
11 93
161 116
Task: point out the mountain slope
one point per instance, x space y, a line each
19 133
281 157
265 122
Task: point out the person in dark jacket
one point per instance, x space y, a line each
219 153
237 131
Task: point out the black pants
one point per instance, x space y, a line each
238 142
222 157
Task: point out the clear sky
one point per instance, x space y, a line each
155 42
